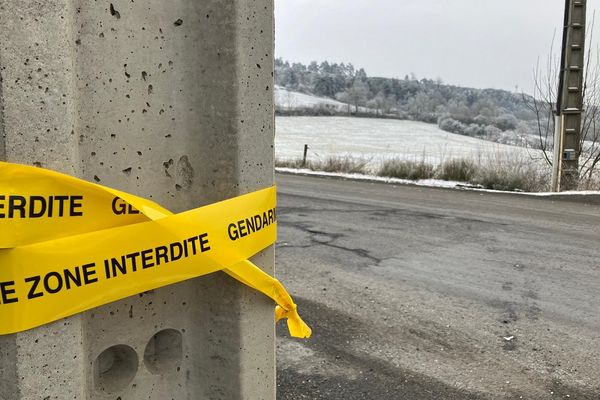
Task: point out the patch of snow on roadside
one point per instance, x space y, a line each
437 183
373 178
569 193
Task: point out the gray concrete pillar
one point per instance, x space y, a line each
167 100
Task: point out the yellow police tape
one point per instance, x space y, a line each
67 245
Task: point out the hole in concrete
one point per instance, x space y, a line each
114 12
115 368
164 352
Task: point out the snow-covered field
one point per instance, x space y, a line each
288 99
380 139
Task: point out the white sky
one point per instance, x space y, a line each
478 43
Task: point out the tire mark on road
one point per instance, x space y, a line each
377 378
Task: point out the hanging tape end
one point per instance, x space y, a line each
296 326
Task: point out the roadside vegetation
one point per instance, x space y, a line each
499 173
348 165
338 164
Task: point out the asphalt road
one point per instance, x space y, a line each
418 293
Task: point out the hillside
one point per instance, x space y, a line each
289 99
490 114
380 139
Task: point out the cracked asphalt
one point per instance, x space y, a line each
422 293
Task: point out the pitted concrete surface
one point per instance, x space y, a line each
170 100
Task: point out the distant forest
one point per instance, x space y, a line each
492 114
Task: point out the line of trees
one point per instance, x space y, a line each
497 115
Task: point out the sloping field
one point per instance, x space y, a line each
288 99
380 139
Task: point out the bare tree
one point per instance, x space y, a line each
543 104
357 93
344 98
378 103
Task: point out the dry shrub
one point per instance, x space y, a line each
461 170
501 172
405 169
287 163
505 172
340 164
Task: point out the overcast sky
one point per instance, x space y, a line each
478 43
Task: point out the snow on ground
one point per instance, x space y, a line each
430 183
288 99
372 178
380 139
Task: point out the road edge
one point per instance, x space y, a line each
590 198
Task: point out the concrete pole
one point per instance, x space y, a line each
167 100
556 159
571 90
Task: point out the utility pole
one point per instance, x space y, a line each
569 105
206 338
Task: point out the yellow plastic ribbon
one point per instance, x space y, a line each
67 245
